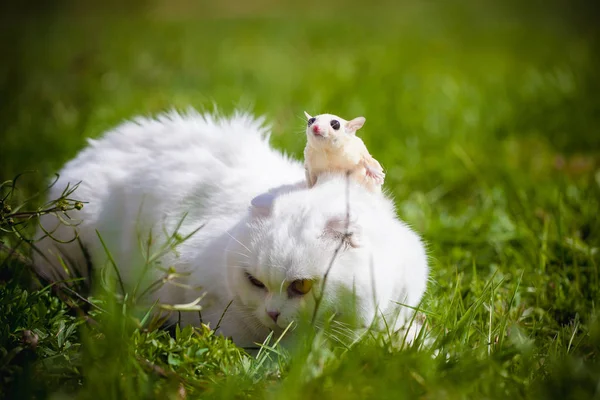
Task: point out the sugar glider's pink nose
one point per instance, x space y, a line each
315 130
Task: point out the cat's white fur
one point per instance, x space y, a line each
150 173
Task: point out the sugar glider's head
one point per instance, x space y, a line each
281 253
328 129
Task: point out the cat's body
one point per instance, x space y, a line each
149 174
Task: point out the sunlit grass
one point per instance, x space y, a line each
486 121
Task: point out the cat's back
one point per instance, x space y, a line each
175 150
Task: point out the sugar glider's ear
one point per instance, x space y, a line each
262 205
307 115
338 228
353 125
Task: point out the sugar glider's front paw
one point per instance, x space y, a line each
375 174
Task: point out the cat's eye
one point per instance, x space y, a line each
311 121
300 287
255 281
335 124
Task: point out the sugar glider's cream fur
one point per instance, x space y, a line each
332 146
266 240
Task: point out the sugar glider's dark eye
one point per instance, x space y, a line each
335 124
255 281
311 121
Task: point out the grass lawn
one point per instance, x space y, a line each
486 116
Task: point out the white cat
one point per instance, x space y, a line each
266 241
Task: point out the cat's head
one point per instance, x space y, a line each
278 259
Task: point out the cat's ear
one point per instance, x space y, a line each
355 124
262 205
339 228
307 115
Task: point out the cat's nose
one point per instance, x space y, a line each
273 314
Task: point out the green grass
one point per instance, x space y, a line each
486 118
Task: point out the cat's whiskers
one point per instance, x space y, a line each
341 324
249 317
238 253
339 335
240 243
252 322
239 266
343 332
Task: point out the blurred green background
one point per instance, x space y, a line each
485 115
426 75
